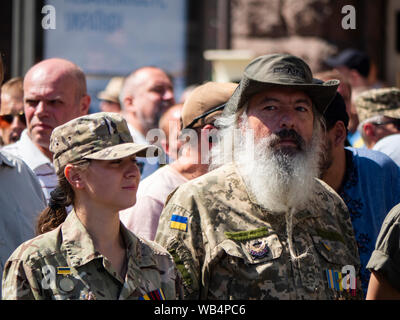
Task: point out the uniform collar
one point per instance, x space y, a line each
80 248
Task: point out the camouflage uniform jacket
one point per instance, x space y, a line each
63 264
228 247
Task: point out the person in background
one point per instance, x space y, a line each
54 93
198 115
147 93
384 263
390 145
12 116
355 66
379 113
368 181
170 125
21 201
353 135
89 254
109 97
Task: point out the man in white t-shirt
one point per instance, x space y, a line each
54 93
199 112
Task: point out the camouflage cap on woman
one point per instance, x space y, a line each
99 136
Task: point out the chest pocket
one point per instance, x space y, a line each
255 246
333 251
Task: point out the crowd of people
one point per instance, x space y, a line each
285 185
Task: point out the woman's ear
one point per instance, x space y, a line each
74 176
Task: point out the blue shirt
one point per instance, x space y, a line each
371 188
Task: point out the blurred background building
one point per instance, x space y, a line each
193 40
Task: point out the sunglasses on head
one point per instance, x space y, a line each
395 122
7 119
191 124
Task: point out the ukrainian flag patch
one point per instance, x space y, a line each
179 222
63 270
153 295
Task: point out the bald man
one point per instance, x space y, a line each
54 93
147 93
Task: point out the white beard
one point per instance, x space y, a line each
278 180
281 182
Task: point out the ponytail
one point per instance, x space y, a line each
56 212
60 198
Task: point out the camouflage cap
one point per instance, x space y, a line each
281 71
205 103
99 136
378 102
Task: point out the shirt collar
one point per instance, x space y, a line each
4 160
30 153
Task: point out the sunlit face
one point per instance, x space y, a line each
49 101
153 97
274 110
112 183
12 108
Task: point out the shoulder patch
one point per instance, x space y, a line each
179 222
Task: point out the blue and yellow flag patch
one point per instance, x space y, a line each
179 222
153 295
63 270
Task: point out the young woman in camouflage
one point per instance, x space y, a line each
89 254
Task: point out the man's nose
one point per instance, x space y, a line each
169 95
41 108
287 120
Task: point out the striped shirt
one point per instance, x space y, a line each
42 166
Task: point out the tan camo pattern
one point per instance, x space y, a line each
385 102
234 249
31 271
86 135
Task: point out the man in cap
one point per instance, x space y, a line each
199 112
262 226
355 65
147 93
54 93
368 181
109 98
21 201
353 136
12 116
379 113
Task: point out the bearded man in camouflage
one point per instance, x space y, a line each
261 226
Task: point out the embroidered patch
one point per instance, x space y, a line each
258 248
179 222
153 295
247 235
